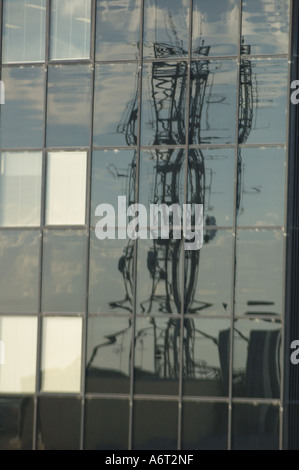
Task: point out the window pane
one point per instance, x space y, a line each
24 30
68 105
109 344
66 188
21 118
20 188
117 34
70 29
16 423
115 110
64 271
19 269
18 336
61 354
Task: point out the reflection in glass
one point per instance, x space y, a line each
21 118
106 424
59 423
157 355
66 188
117 33
18 336
115 110
70 29
261 184
204 426
108 355
259 272
265 25
24 31
256 364
19 267
255 427
61 354
215 26
160 431
20 188
64 271
68 105
16 423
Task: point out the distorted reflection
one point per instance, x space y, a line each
16 423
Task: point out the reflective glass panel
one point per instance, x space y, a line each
255 427
20 188
21 118
66 188
117 34
106 424
215 27
70 29
61 354
115 109
19 268
109 343
18 336
204 426
256 364
64 271
16 423
24 30
68 105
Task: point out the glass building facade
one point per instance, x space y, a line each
146 344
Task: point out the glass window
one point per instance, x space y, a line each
24 30
61 354
70 29
66 188
19 338
109 344
69 105
64 271
20 188
16 423
117 34
21 118
19 271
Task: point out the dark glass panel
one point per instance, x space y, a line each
16 423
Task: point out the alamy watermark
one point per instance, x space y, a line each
2 353
2 92
163 222
294 94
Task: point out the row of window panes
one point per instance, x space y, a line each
166 26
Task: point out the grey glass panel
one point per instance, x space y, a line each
16 423
256 364
255 427
69 105
24 30
205 357
157 356
111 275
259 272
263 104
261 186
204 426
106 424
19 264
115 110
108 355
213 102
20 188
215 27
64 271
117 33
208 275
21 119
59 423
166 26
113 175
265 25
160 432
70 29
